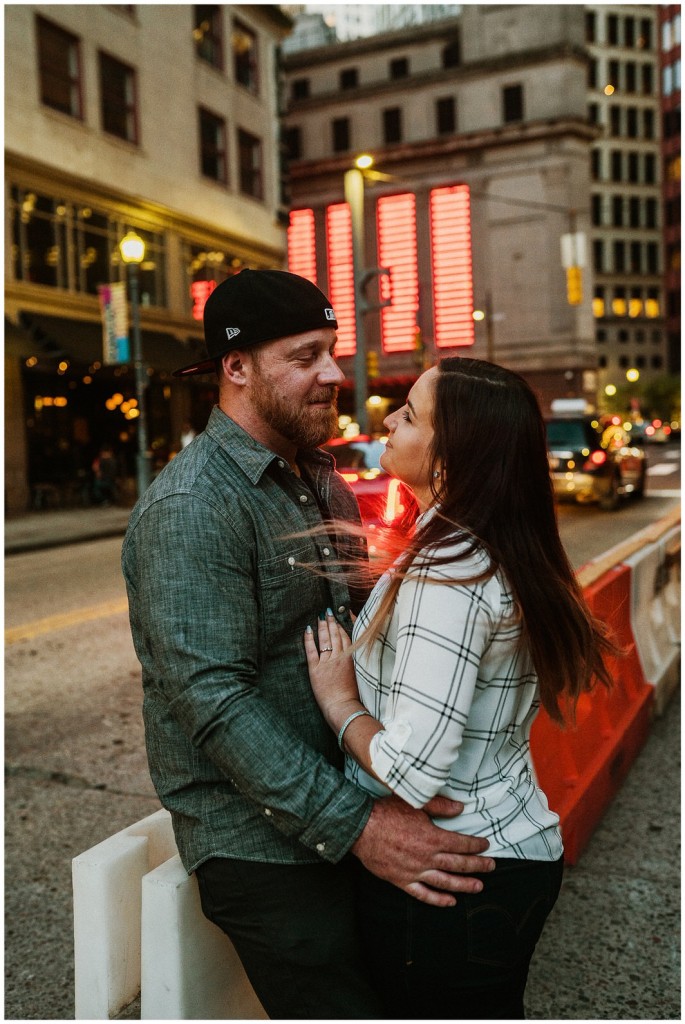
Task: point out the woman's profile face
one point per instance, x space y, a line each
410 430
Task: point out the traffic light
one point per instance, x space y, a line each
372 369
574 285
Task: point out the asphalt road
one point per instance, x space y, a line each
76 773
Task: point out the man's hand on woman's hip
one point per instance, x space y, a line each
403 846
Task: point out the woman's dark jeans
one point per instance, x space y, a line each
464 962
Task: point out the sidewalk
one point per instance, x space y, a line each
51 528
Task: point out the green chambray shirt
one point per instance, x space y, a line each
219 600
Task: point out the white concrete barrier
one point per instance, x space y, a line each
189 968
107 914
139 928
655 612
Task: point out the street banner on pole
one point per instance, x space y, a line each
115 342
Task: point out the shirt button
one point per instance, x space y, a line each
326 551
304 499
341 609
281 464
320 847
291 560
267 812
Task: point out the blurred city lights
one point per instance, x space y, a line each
364 161
632 375
610 390
478 314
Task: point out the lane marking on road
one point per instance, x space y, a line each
661 469
662 494
56 622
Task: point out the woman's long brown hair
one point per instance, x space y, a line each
496 493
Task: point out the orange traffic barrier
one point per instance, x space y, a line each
581 767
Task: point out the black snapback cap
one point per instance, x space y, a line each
255 306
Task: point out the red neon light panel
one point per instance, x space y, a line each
396 223
341 275
302 244
450 224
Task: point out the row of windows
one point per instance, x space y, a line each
621 76
626 362
629 122
670 33
392 129
618 30
626 257
620 301
61 89
61 244
624 165
620 211
397 68
209 45
638 336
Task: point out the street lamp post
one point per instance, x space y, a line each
132 249
354 197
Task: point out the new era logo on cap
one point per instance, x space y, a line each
232 332
330 314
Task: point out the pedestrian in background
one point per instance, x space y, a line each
478 621
219 595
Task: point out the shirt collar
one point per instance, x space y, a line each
252 456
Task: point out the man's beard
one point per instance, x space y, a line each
303 425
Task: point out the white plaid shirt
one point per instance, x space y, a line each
456 693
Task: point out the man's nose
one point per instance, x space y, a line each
330 372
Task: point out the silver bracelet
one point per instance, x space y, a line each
355 714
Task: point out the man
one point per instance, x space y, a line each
217 563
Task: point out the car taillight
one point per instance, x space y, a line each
597 459
350 477
394 506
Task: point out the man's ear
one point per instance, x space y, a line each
234 367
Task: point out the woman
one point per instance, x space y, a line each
476 624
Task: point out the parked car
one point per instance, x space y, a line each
593 460
357 459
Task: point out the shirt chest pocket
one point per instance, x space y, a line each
292 591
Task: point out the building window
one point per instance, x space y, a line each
598 302
399 67
349 78
451 54
619 257
292 140
207 34
592 73
617 211
623 336
596 160
245 65
635 258
650 168
616 165
590 26
645 40
598 255
392 125
615 119
213 160
648 124
340 128
596 209
651 213
631 76
593 113
250 161
623 362
647 79
618 303
652 258
631 123
656 362
300 89
59 62
446 115
512 103
612 30
633 168
634 211
629 32
614 73
118 98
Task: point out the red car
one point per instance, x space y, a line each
357 459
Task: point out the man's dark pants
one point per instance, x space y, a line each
294 929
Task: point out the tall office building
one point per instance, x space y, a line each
669 25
